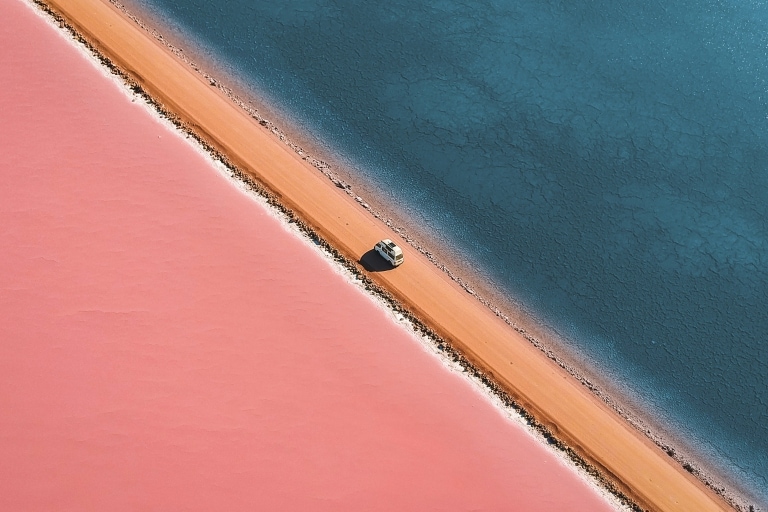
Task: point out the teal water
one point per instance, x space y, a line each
605 162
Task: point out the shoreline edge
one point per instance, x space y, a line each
324 215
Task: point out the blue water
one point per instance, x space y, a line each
605 162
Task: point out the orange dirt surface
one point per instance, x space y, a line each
576 417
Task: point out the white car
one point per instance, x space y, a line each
390 252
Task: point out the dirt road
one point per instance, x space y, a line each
576 417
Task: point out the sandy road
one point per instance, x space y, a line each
638 467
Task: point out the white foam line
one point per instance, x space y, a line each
425 342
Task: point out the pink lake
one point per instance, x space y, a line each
166 344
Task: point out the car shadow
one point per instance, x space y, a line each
373 262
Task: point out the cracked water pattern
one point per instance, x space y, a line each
605 162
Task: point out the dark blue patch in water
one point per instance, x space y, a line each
604 161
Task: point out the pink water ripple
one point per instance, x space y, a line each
166 344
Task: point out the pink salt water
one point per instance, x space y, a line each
166 344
